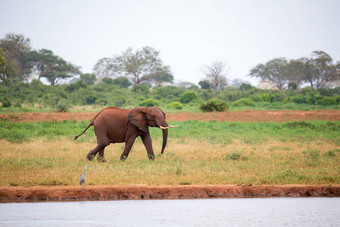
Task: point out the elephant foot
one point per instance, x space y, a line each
101 159
123 158
90 157
151 157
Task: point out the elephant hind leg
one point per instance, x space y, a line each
102 142
100 156
99 148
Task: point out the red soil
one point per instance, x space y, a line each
60 193
250 115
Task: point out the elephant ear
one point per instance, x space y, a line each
161 111
137 117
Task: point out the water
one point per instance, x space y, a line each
204 212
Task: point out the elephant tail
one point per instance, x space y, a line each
76 137
92 123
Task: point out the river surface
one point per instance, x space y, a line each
202 212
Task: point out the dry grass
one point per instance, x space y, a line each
186 161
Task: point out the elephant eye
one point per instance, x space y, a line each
153 117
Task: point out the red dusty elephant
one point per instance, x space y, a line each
115 125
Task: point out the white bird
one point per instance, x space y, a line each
83 176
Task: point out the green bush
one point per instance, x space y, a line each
298 124
107 80
140 89
214 105
205 95
88 78
243 102
119 101
148 103
261 98
188 97
298 99
90 99
6 103
168 94
313 98
245 87
175 105
62 106
326 92
121 81
287 100
327 101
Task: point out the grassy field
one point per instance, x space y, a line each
44 153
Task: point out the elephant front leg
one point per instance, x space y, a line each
148 145
127 148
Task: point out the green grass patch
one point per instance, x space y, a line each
212 131
285 106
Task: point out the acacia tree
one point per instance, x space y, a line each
136 65
216 76
295 72
88 78
16 49
204 84
158 78
320 69
52 67
3 65
316 70
274 70
104 68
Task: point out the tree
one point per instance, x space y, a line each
51 66
216 76
139 63
104 68
274 70
158 78
3 63
204 84
16 50
88 78
319 69
292 85
295 72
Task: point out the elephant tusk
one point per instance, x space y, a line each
170 126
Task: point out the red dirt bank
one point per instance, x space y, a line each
69 193
243 116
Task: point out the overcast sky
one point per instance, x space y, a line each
188 33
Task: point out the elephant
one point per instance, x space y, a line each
116 125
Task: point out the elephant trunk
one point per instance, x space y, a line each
165 139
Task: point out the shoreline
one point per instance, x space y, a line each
141 192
